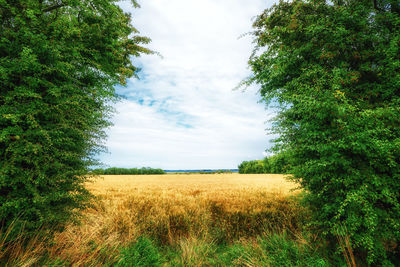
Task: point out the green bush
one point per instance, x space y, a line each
282 251
272 250
143 253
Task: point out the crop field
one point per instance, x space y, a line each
179 210
201 185
190 218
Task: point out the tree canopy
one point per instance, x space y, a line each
278 163
59 62
334 68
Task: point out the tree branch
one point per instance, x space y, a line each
50 8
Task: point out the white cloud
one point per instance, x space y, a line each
183 113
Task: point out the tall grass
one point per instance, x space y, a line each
175 218
197 223
21 250
345 246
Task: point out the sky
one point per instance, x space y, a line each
183 112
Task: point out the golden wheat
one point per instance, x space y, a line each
185 210
176 208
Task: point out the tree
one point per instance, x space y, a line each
334 68
278 163
59 62
252 166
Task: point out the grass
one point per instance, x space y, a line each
184 220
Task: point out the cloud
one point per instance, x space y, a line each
183 113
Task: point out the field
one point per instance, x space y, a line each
190 218
122 186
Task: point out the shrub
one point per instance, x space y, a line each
283 251
143 253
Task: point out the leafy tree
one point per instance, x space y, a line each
252 166
59 62
334 68
255 166
278 163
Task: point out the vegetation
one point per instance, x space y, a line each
334 68
222 171
142 253
278 163
213 172
147 170
197 220
253 166
125 171
59 61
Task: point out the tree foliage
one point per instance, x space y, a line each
127 171
278 163
252 166
334 68
59 61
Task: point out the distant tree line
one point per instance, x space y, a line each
205 172
127 171
274 164
214 172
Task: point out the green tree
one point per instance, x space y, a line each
278 163
334 68
59 62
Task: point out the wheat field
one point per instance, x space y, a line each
173 208
183 211
122 186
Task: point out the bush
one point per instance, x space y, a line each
282 251
274 249
143 253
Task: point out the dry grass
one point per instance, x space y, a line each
121 186
21 252
171 208
174 209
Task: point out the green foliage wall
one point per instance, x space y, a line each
59 61
334 67
253 166
278 163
